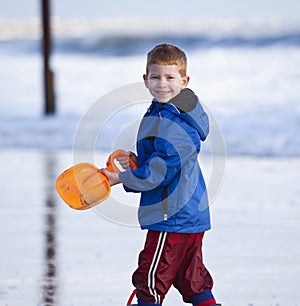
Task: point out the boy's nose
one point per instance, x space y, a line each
162 84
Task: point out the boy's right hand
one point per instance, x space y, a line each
113 178
124 160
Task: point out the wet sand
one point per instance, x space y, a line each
53 255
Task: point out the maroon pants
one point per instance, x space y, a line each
171 259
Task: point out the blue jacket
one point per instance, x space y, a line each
173 191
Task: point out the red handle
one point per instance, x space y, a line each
131 297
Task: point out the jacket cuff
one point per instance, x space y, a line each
124 176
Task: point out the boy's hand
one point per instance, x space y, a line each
113 178
124 159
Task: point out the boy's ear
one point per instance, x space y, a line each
145 78
185 81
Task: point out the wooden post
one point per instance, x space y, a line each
48 74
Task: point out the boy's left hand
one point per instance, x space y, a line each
125 162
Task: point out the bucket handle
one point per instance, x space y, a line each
131 297
112 167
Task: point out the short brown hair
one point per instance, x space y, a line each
167 54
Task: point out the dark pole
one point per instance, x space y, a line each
48 74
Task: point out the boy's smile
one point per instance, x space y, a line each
164 82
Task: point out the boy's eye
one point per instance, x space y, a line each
155 77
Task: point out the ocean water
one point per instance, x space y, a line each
247 76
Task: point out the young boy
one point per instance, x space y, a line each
174 205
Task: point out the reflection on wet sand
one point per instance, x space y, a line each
50 282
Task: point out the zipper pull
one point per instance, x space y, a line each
165 217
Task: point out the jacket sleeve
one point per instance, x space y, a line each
173 148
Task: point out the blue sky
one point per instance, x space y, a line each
285 9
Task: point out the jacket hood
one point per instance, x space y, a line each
188 107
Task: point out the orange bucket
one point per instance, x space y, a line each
84 185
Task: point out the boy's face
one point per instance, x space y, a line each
164 82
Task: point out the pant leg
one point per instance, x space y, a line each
193 277
143 278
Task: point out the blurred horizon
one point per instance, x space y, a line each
288 10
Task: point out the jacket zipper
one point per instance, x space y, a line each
165 202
